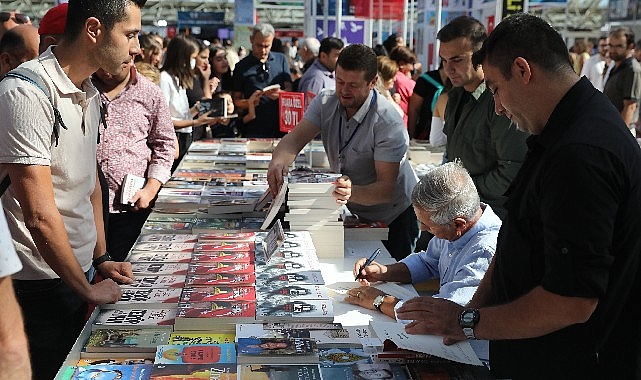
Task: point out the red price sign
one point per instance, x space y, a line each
291 107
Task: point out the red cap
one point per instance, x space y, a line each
54 21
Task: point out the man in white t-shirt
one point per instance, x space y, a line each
14 352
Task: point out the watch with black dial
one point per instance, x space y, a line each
468 320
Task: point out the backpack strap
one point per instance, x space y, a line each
35 79
439 89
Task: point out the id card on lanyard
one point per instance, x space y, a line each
344 144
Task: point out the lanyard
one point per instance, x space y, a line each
340 127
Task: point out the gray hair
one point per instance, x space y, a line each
265 30
447 192
312 44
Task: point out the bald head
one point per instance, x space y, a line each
19 44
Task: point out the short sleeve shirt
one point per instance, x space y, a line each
375 133
624 83
26 137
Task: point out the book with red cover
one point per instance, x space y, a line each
248 237
220 279
220 267
224 246
215 316
218 293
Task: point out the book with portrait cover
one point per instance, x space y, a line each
277 351
153 298
126 340
201 337
212 315
196 354
193 371
312 292
220 279
156 281
226 256
218 293
284 309
147 268
279 371
160 257
220 267
309 277
162 247
129 318
113 371
276 266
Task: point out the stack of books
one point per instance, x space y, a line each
359 229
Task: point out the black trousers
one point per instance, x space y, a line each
123 231
184 141
54 316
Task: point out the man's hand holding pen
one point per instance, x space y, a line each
367 270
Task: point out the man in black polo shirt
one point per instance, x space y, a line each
624 83
258 70
560 299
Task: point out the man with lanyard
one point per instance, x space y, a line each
366 141
260 69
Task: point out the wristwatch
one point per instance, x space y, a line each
101 259
468 320
378 301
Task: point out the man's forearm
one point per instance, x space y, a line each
14 351
96 202
373 194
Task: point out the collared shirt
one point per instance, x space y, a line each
140 136
176 98
594 69
624 83
460 264
26 137
316 78
573 228
375 133
488 145
250 75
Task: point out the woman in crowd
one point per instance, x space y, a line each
403 82
220 70
176 77
201 88
387 69
150 50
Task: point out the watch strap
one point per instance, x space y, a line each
101 259
378 301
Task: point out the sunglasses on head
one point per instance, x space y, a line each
19 18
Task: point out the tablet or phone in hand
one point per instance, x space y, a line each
271 87
217 106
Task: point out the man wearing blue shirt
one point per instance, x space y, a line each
465 231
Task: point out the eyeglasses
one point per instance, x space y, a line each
19 18
262 73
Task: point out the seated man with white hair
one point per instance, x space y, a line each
465 231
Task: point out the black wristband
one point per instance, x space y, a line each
99 260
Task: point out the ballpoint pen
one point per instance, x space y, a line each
368 262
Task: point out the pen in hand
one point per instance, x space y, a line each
367 262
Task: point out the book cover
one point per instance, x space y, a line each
83 362
160 257
193 371
149 268
166 227
130 185
366 371
275 267
209 225
209 314
233 205
137 298
126 340
167 238
311 292
113 371
226 256
220 267
220 279
275 206
186 338
279 372
247 237
214 246
280 309
277 351
196 354
257 330
217 107
348 336
156 281
144 318
163 247
218 293
333 357
311 277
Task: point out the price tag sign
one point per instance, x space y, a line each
291 107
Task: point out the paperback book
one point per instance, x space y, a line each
149 268
193 371
218 293
280 309
126 340
209 315
130 185
123 372
187 338
311 277
220 279
366 371
196 354
247 237
83 362
160 257
224 256
148 298
156 281
220 267
129 318
215 246
277 351
163 247
279 372
311 292
167 238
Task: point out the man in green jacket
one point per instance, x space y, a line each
488 145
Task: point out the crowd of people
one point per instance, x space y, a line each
533 211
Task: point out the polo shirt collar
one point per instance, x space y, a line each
63 84
479 90
359 116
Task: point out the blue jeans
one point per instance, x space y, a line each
54 316
403 232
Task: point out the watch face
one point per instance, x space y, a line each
468 317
